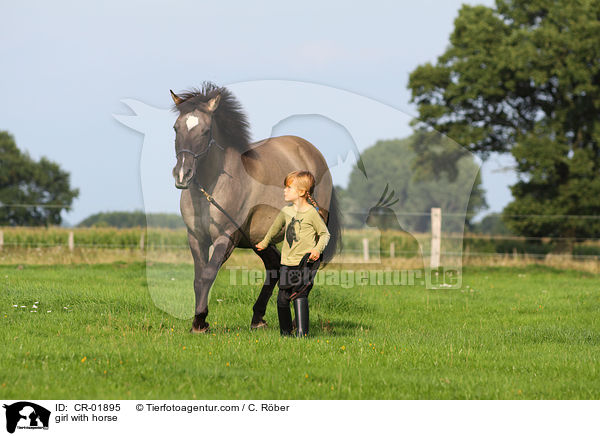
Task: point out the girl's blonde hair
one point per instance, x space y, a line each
305 181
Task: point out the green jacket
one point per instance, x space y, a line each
304 231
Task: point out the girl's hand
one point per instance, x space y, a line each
259 248
314 255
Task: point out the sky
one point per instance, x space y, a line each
68 67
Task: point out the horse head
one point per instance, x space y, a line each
193 135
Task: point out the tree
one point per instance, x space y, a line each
524 77
392 163
491 225
31 193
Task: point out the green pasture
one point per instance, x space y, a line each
510 333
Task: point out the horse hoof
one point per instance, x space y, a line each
200 330
259 325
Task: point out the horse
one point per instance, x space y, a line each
217 162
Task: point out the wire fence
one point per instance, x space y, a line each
465 214
364 242
42 206
472 215
371 247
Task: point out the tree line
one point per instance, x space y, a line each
123 220
32 193
523 77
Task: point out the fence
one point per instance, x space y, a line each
362 243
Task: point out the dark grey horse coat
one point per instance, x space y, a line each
213 152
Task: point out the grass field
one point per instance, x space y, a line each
510 333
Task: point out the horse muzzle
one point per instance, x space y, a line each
183 175
183 179
184 182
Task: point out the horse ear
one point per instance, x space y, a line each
176 98
213 103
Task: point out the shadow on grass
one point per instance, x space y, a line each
319 327
337 328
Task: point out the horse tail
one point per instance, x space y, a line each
334 225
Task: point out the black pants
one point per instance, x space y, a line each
296 281
272 260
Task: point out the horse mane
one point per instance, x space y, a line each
229 115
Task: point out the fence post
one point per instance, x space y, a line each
1 239
436 237
142 241
71 241
365 242
392 250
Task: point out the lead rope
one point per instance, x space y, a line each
211 200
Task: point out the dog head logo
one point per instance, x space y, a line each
26 415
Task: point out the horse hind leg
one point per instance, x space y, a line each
271 257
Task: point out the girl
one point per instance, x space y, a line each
306 236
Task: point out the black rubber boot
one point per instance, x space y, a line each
301 309
285 320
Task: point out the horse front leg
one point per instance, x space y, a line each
199 251
204 277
